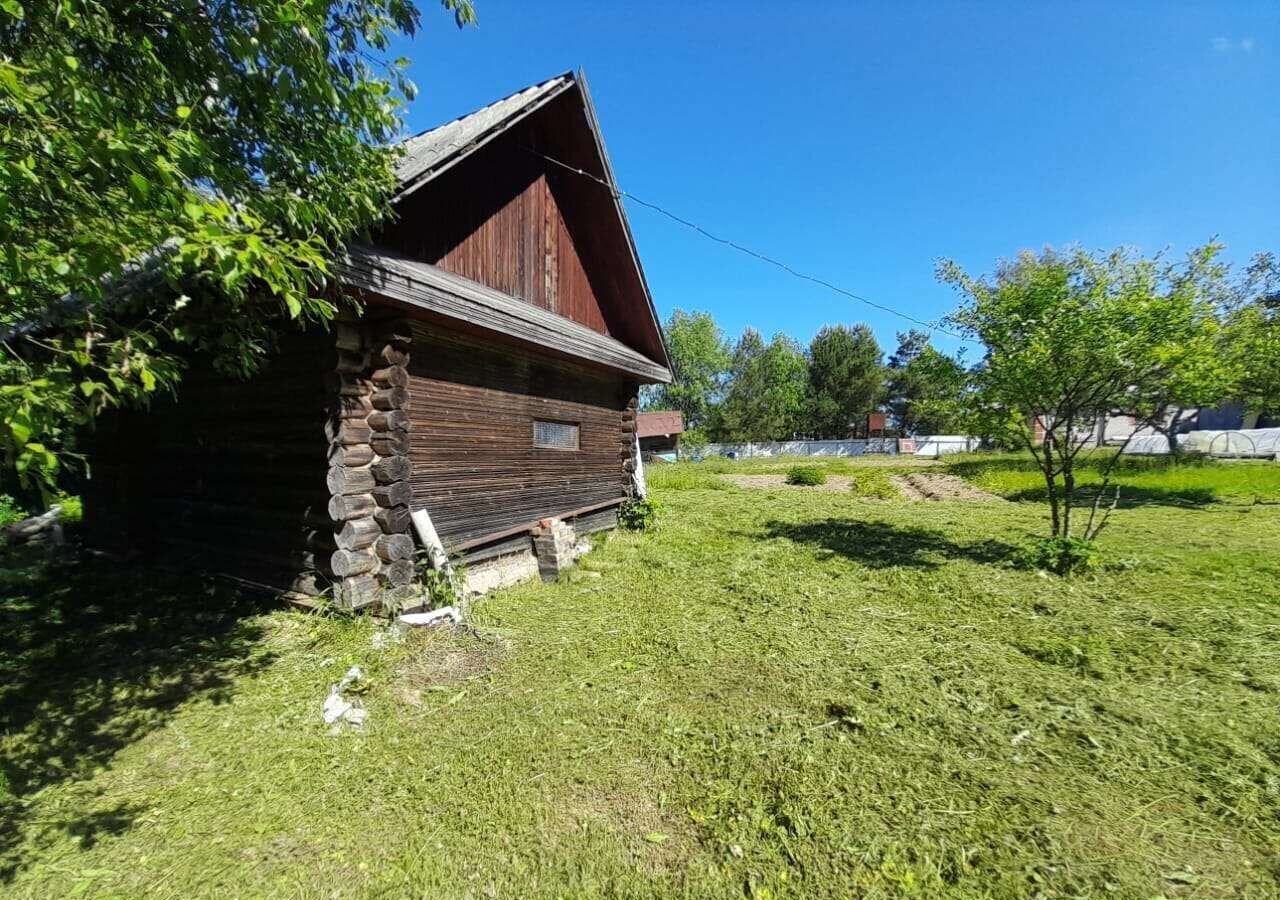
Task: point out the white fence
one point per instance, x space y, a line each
934 445
944 444
1259 443
805 448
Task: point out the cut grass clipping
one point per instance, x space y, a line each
806 476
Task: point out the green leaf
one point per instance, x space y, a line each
20 429
13 8
139 184
71 63
656 837
184 112
295 308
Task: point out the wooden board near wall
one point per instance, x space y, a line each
472 405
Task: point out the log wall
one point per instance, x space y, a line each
368 475
230 478
472 405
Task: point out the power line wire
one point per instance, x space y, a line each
618 192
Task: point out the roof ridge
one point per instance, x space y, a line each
480 109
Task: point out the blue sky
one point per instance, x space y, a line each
861 142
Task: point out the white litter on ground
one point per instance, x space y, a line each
338 710
442 616
388 637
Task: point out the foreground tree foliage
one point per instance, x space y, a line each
1071 336
1253 335
175 176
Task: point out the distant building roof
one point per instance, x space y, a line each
659 423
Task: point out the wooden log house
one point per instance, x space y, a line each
486 396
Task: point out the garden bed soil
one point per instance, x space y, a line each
935 486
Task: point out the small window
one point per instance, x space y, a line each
555 435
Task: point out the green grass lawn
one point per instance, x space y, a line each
780 693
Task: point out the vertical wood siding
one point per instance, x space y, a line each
472 405
505 229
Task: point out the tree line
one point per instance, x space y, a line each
757 390
1089 334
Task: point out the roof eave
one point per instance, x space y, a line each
429 289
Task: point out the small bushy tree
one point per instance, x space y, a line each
925 389
1253 335
1071 336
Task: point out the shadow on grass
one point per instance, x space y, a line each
1130 497
879 545
94 656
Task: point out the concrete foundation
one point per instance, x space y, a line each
500 571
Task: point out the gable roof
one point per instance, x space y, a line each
431 153
435 150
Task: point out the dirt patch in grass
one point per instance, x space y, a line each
448 656
935 486
833 482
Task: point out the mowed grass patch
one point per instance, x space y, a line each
871 476
793 695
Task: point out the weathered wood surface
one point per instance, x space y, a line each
344 563
390 444
356 534
506 231
350 479
392 397
392 468
348 431
392 547
395 494
561 241
388 420
393 519
350 455
398 573
342 508
390 376
472 407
